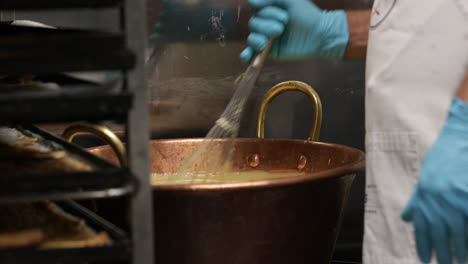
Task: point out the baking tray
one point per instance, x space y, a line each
107 180
50 4
118 250
26 50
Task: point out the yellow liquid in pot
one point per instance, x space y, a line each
191 178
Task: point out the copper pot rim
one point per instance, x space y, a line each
337 172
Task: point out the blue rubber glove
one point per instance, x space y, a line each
303 30
438 208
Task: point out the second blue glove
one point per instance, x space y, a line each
438 208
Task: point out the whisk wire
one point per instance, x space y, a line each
213 158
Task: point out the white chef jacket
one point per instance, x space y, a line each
416 60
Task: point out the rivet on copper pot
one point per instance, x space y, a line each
253 160
302 162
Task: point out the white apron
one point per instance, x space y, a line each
417 57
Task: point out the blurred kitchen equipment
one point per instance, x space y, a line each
283 220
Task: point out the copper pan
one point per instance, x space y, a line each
283 220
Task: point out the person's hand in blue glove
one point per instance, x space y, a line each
302 29
438 208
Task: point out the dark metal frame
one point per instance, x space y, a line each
128 105
61 108
138 134
39 50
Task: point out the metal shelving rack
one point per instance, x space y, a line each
85 51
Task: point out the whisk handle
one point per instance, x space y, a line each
260 59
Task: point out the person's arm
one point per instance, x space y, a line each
358 27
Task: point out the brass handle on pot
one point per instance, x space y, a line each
102 132
291 86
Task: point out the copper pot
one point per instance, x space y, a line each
283 220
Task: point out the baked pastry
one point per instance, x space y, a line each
40 224
45 225
21 239
23 154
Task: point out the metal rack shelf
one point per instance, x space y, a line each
118 250
31 51
102 184
58 108
107 181
44 50
60 97
52 4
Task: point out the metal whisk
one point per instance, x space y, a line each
227 126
